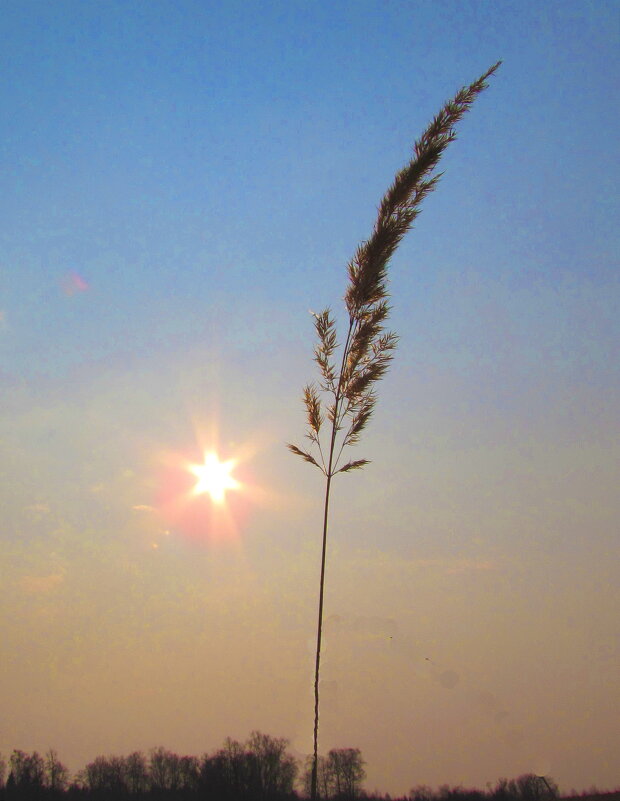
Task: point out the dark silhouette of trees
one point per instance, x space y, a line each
27 776
325 778
447 793
105 777
226 774
136 773
348 770
527 787
421 792
33 777
213 777
189 772
259 769
56 774
273 771
339 775
165 770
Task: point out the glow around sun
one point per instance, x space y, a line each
214 477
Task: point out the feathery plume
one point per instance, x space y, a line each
346 398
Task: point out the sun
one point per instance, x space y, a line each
214 477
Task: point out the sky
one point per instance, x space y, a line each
182 183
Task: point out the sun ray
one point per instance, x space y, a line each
214 477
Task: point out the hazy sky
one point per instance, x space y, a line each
182 182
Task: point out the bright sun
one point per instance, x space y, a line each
214 477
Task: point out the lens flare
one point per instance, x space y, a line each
73 283
206 493
214 477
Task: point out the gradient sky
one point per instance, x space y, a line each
182 182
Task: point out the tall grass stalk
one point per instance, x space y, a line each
345 395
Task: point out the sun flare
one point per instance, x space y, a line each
214 477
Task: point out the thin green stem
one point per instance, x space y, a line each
318 640
318 442
344 442
319 633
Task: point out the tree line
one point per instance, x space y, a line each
259 769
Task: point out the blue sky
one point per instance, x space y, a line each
182 183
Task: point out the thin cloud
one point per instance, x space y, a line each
469 565
37 585
37 511
452 567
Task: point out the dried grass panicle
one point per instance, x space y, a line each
326 331
368 350
355 465
304 455
368 328
313 407
400 204
360 418
347 397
